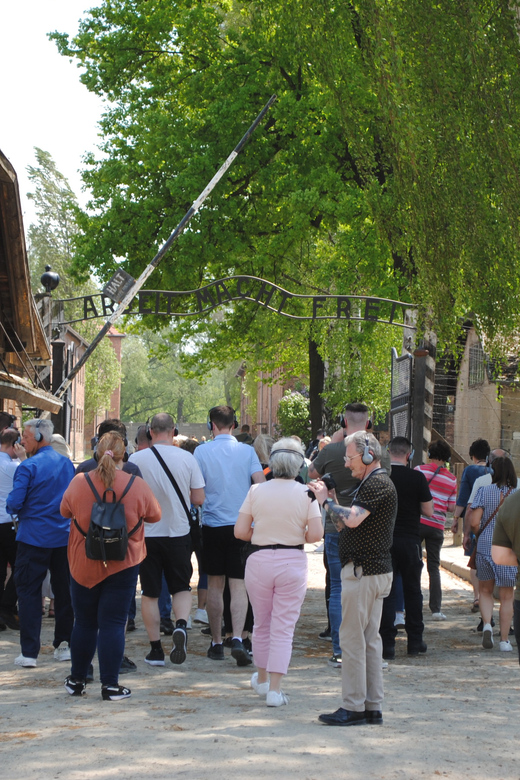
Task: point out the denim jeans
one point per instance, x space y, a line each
165 601
332 549
32 564
100 615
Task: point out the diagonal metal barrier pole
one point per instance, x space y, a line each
130 295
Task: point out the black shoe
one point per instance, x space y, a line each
374 717
206 631
180 643
90 674
228 642
75 687
247 644
216 652
115 692
343 717
11 621
389 654
418 649
325 635
167 628
480 626
130 626
127 666
155 657
240 654
3 627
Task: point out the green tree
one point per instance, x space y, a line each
153 382
387 166
51 242
293 415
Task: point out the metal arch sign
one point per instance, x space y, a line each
358 308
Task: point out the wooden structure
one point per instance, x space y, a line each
24 344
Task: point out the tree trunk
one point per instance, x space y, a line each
316 385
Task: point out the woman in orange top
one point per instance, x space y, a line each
101 593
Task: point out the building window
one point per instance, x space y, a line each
476 365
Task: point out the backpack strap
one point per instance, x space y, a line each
82 532
98 497
91 486
173 481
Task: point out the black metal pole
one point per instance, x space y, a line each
162 251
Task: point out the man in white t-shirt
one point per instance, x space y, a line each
168 543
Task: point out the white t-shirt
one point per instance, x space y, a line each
483 481
186 471
280 510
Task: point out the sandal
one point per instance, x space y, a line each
50 613
475 607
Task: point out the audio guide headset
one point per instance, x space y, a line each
148 430
210 424
38 436
368 457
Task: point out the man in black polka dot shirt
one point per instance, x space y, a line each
366 532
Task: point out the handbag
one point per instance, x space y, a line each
472 560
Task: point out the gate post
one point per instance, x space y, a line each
422 396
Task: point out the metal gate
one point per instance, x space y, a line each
401 395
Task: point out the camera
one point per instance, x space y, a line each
329 481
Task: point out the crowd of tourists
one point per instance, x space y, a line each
245 508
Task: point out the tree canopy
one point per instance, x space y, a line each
51 242
388 166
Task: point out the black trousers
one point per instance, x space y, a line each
407 560
8 596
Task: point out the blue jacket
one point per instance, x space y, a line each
38 487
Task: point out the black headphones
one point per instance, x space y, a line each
96 437
148 431
368 456
38 436
210 425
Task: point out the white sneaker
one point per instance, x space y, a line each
506 646
262 689
201 616
487 637
399 620
275 699
62 652
384 664
22 660
188 622
438 616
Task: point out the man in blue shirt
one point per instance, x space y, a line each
42 536
228 468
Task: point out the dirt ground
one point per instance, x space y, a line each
452 713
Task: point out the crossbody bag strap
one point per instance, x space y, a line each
434 474
490 518
173 481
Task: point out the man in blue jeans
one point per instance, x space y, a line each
331 460
42 536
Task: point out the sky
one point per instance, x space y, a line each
44 103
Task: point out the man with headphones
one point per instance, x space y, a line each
413 500
228 468
331 460
365 538
107 426
42 538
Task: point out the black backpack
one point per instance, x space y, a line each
107 535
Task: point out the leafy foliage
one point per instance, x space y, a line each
293 415
51 242
388 165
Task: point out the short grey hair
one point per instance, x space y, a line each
360 439
287 458
45 427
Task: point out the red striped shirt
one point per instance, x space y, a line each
443 488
